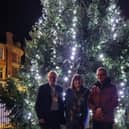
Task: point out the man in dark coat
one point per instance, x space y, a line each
49 104
103 100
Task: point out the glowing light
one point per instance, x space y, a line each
73 53
125 80
63 94
38 77
112 20
54 56
113 28
74 12
119 99
37 56
72 57
122 67
99 46
29 115
74 49
114 36
71 66
74 36
116 120
54 42
57 67
122 84
121 92
69 71
66 79
32 69
74 32
117 20
91 113
75 19
74 24
101 57
40 20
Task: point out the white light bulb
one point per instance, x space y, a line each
66 79
72 57
69 71
122 84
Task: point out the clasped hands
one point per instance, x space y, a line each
98 113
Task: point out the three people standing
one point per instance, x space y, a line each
102 99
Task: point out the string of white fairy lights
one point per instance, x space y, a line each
73 50
114 20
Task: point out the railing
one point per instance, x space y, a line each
4 119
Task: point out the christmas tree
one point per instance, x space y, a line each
77 36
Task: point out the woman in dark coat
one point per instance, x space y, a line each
76 104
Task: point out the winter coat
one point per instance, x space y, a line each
44 101
103 96
76 107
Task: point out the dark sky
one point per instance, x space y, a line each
18 16
124 6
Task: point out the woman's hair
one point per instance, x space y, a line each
103 69
75 77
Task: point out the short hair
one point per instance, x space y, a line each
52 72
75 77
103 69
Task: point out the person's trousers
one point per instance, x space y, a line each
102 125
52 122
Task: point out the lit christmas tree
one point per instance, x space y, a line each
77 36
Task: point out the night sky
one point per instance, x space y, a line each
18 16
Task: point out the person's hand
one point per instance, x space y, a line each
98 113
42 121
95 90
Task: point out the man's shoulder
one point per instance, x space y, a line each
85 90
69 91
59 87
113 86
43 86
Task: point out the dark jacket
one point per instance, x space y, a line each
106 98
43 102
76 104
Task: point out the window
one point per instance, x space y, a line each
14 58
1 73
1 53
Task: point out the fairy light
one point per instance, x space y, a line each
101 57
66 79
121 93
69 71
122 84
114 36
114 21
73 31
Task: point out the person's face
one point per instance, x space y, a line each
77 83
52 79
101 75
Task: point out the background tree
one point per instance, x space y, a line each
77 36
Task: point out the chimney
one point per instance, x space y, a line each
9 37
